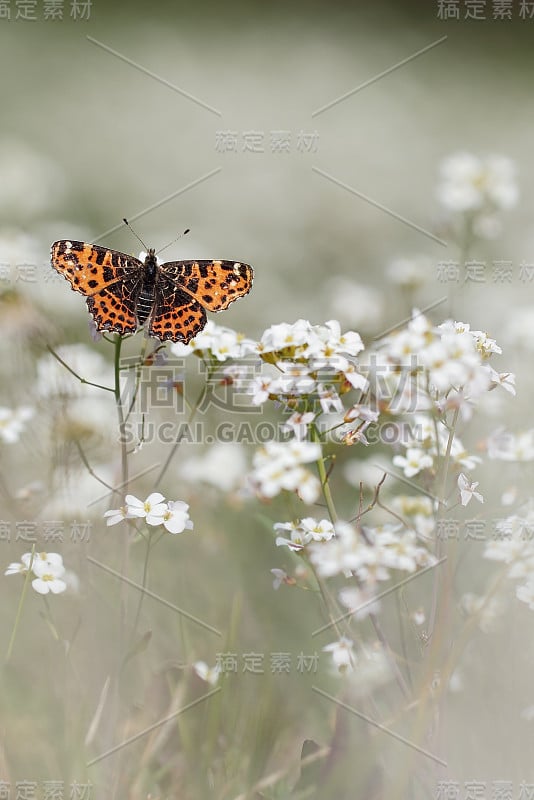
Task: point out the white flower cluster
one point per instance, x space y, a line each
13 421
514 547
309 359
301 350
217 342
444 363
47 568
173 515
312 366
303 532
370 553
423 446
280 466
435 369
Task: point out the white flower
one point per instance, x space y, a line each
298 424
342 654
317 531
176 517
217 341
472 184
449 360
361 412
116 515
48 570
295 379
16 568
210 675
306 531
468 490
504 379
484 343
152 509
179 349
50 561
260 388
418 616
284 335
330 343
49 583
410 340
398 549
309 487
49 576
237 375
415 461
370 554
12 422
329 399
460 455
280 577
297 540
278 466
355 378
453 361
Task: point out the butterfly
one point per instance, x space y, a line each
123 293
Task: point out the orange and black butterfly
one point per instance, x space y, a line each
123 293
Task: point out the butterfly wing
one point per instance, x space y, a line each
175 315
213 284
110 280
185 288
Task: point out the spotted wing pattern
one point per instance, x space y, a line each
113 282
110 280
176 315
213 284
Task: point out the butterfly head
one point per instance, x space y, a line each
151 262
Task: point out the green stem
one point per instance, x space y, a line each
120 413
138 371
19 610
323 477
90 470
72 372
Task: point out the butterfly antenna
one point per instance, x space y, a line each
134 233
173 241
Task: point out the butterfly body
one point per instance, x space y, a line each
124 294
145 300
